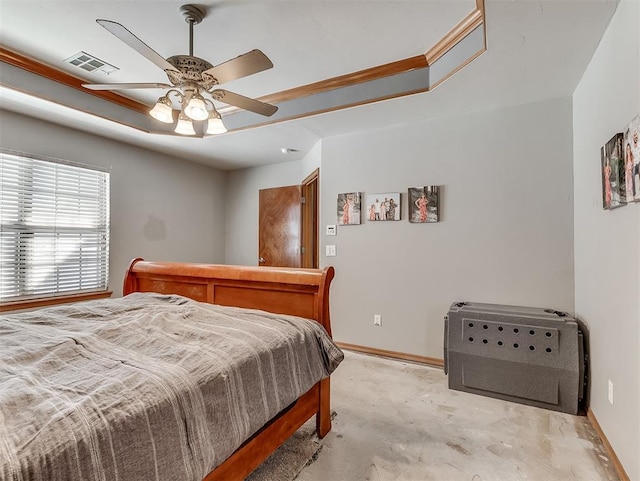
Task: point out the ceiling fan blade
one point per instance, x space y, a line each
126 86
135 43
246 64
244 102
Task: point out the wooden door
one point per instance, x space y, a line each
279 226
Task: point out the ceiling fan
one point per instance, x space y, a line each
194 81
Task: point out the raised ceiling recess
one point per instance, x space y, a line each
194 76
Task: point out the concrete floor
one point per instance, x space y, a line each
399 421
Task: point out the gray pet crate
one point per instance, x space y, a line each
520 354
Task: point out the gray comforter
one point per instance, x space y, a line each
146 387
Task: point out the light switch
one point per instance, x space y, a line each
330 250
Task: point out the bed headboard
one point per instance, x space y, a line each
299 292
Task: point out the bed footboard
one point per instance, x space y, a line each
298 292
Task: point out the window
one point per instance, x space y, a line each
54 228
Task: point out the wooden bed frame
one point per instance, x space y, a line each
299 292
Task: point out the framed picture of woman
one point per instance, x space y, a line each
614 192
424 204
631 154
349 208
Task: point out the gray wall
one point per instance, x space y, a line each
607 243
242 202
162 208
506 234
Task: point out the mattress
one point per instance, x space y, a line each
148 386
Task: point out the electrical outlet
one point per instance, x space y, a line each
377 320
610 392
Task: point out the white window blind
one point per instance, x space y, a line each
54 234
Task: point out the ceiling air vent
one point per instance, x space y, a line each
91 64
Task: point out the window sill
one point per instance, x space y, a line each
50 301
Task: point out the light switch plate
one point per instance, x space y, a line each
330 250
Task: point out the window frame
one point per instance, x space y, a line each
56 296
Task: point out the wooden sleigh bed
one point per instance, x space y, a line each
294 292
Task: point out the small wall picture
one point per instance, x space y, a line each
631 147
423 204
384 206
613 180
349 208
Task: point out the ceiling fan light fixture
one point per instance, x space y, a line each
196 108
162 110
184 126
215 124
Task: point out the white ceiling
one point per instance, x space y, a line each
536 50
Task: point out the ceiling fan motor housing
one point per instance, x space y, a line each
190 70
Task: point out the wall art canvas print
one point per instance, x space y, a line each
384 206
424 204
613 182
631 146
349 208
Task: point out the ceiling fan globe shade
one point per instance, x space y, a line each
162 111
215 126
184 126
196 109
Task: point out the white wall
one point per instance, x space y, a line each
162 208
607 243
242 202
505 234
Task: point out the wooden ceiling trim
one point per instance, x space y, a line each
366 75
35 67
457 33
329 109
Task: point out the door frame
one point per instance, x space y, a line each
310 220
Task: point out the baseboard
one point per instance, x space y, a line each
617 465
431 361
